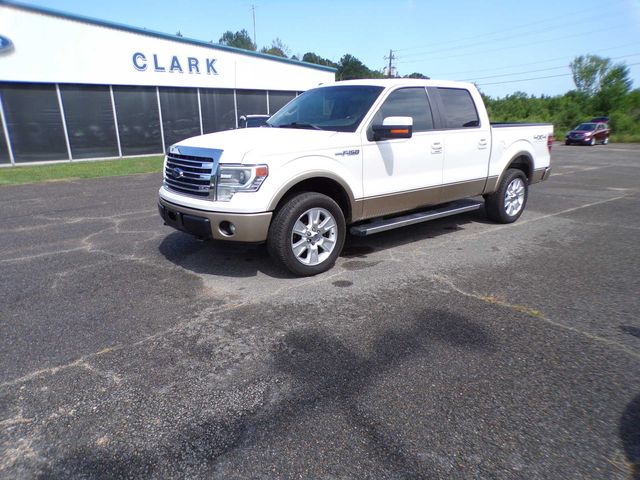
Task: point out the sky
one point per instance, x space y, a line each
503 46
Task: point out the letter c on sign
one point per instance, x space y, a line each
139 61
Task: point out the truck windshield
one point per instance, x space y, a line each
339 108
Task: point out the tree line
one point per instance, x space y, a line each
602 88
348 68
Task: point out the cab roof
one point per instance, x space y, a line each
410 82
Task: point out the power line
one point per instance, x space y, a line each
539 78
516 28
548 60
541 69
514 46
521 34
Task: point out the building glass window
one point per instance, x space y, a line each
251 102
218 110
180 117
277 100
138 120
4 149
90 125
33 118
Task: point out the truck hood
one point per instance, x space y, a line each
248 144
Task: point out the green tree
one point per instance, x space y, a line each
311 57
351 68
239 39
588 71
417 75
277 48
614 88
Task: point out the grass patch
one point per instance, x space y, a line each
74 170
625 138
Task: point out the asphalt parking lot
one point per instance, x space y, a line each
453 349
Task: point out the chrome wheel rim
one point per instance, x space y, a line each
313 237
514 197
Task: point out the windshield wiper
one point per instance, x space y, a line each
300 125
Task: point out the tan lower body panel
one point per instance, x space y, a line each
538 175
402 202
456 191
249 227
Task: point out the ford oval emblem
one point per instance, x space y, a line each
6 45
176 173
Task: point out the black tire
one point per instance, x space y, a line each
566 142
282 236
496 205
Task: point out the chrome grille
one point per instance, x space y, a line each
189 174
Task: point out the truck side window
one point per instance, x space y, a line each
408 102
459 109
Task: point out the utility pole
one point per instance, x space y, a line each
253 11
391 68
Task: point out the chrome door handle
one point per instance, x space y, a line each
436 148
482 144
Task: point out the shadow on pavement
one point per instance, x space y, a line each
242 261
326 373
630 435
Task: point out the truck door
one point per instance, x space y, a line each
402 174
466 141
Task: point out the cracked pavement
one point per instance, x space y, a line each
452 349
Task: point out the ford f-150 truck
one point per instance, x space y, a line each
368 155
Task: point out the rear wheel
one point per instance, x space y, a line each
508 202
307 234
605 141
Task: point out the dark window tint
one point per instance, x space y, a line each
4 150
90 123
34 122
138 120
339 108
251 102
408 102
218 110
277 100
459 109
180 117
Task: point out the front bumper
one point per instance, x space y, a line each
580 141
247 227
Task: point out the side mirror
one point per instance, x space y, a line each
393 127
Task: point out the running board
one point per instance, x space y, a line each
453 208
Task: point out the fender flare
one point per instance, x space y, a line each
492 183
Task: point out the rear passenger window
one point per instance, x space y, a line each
408 102
459 109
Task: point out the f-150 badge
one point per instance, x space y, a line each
345 153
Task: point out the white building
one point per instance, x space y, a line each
77 88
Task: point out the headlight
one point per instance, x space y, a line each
239 178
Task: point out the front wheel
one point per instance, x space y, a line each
592 142
307 234
507 203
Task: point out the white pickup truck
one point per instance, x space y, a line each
368 155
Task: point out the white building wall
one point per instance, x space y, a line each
55 49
